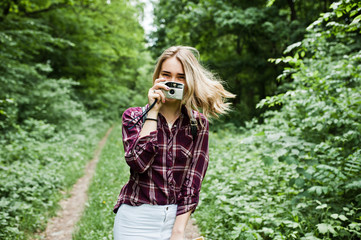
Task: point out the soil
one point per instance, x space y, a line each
192 231
61 227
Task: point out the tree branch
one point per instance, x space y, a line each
50 8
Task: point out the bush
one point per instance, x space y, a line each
36 162
297 176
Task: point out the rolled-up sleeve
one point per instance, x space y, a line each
189 196
139 151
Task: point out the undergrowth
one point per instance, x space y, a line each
36 165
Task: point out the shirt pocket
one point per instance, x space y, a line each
186 152
182 165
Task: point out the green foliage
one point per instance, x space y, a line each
26 90
67 68
108 50
35 163
246 193
296 176
235 39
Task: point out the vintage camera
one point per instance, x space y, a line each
175 90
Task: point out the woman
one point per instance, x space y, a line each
167 162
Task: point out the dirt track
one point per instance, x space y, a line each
61 227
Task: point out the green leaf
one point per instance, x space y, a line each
343 217
322 206
356 20
270 3
322 228
267 160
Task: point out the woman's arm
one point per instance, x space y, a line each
140 142
150 125
180 226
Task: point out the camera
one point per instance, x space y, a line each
175 90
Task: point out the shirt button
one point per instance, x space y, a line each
166 208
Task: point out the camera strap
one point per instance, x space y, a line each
193 125
142 116
192 119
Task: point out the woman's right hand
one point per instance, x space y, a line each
156 93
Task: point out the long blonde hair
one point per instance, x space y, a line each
205 90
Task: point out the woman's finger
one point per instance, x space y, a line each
158 80
160 95
153 94
160 86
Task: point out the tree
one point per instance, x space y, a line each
236 39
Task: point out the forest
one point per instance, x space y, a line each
285 163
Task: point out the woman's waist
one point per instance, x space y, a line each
150 192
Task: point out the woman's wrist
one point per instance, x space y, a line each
153 113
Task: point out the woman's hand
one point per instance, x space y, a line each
156 93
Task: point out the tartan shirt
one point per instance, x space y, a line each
166 166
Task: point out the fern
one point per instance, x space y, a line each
352 168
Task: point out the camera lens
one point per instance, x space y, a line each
171 91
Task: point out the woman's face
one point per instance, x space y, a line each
172 71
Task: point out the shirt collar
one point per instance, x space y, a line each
184 118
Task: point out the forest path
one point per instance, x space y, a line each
61 227
191 231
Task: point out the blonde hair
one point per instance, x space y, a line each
205 90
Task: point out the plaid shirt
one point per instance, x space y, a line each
166 166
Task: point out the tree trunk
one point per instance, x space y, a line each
239 45
325 5
6 10
291 4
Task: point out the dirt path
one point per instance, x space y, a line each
61 226
192 231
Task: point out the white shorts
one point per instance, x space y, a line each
144 222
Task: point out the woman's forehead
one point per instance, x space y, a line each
172 65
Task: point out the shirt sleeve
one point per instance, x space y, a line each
189 196
139 151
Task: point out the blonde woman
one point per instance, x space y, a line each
167 152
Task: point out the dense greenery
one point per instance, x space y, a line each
67 68
235 39
297 176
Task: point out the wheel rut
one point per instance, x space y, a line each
61 227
